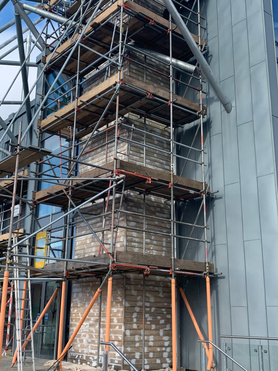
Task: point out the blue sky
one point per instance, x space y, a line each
8 72
7 13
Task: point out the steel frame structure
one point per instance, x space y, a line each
91 45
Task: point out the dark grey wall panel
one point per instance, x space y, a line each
272 64
239 320
242 168
256 36
212 24
262 119
255 288
230 147
225 37
269 223
222 290
249 189
242 75
235 245
219 235
238 11
272 315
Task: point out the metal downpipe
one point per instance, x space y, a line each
198 55
165 58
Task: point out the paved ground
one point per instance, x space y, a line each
6 365
44 365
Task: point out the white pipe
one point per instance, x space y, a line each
198 55
46 14
175 62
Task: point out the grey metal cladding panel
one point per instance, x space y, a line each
269 230
212 29
267 6
217 183
235 245
275 135
238 11
213 58
255 31
272 64
272 315
230 147
228 87
225 37
239 320
262 119
248 182
222 291
255 288
214 118
242 73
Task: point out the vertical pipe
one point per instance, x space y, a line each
174 327
108 312
173 281
6 273
61 323
99 328
3 309
9 319
36 324
209 323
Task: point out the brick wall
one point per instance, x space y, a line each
150 148
129 291
127 322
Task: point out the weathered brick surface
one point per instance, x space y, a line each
85 345
127 322
155 320
139 309
150 149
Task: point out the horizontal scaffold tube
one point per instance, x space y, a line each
46 14
198 55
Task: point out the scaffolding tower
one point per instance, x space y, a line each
104 170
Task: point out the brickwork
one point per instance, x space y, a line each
127 323
157 322
150 149
141 309
136 65
85 346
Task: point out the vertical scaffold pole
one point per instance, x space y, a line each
173 281
8 255
208 293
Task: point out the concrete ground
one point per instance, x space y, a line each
43 365
27 366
